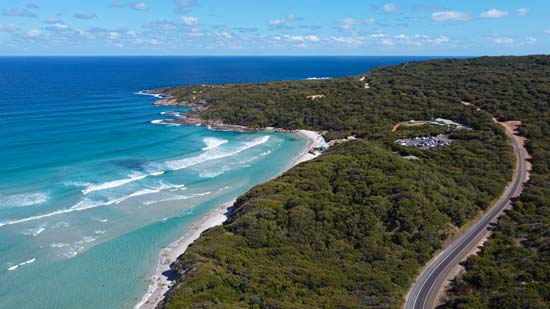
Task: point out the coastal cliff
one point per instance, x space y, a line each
353 227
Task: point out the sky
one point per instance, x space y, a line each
275 27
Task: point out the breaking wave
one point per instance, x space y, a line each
213 154
118 183
89 204
14 267
213 142
22 200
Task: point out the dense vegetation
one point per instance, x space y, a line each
353 227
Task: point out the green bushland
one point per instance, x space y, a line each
353 227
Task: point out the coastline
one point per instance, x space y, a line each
161 281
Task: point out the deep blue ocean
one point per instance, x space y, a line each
91 189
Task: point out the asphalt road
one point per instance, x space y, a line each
425 291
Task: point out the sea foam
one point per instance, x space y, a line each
22 200
14 267
113 184
213 142
36 231
213 154
89 204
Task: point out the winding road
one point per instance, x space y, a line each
425 292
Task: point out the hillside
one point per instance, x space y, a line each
353 227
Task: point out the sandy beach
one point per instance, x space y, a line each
160 283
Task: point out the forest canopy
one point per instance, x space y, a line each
353 227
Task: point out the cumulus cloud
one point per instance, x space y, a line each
18 12
85 15
351 23
547 31
282 22
522 11
443 16
494 13
190 20
390 7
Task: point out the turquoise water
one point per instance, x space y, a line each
91 189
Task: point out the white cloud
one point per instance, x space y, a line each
443 16
276 22
502 40
420 39
140 6
388 42
226 35
349 40
190 20
522 11
494 13
390 7
34 33
85 34
312 38
282 22
377 35
113 35
351 23
547 31
299 38
441 40
58 26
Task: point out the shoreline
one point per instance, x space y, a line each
162 280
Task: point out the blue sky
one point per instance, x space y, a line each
274 27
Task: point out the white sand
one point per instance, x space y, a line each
160 284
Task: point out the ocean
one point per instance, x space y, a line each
92 188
